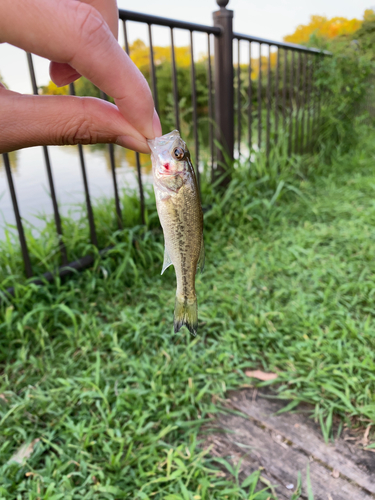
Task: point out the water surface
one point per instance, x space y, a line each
31 182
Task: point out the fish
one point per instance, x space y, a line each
180 213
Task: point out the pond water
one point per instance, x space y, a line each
31 183
32 188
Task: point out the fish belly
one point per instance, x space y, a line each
182 221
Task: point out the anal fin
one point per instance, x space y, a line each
167 260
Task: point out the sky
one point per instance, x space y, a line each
270 19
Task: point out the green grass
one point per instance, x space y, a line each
90 365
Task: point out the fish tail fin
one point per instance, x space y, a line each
186 313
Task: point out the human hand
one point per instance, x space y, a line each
80 37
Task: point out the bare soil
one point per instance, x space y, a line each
283 444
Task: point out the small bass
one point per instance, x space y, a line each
180 213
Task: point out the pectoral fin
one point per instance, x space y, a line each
201 258
167 260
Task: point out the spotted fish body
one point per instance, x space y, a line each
180 213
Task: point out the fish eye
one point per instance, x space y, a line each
179 153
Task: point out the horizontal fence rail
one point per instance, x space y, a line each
281 45
127 15
259 98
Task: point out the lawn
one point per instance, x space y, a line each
90 366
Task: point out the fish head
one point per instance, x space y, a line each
169 154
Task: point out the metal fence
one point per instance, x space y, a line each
283 98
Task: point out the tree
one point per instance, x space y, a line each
83 87
323 28
366 33
52 89
140 55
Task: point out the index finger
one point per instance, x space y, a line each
62 73
109 11
77 34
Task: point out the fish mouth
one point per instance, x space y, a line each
163 140
179 172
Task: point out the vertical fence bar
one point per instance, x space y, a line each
268 103
210 107
260 98
140 185
297 93
309 78
224 105
137 157
319 99
90 215
126 37
112 162
195 113
321 96
250 117
284 87
291 76
174 81
277 93
313 112
56 213
303 104
319 92
153 71
239 97
111 151
32 73
21 233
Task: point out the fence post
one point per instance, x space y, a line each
224 106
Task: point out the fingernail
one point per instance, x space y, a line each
129 142
156 125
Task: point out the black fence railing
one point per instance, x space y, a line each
282 97
295 99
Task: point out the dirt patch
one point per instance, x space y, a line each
284 444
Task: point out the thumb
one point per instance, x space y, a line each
61 120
